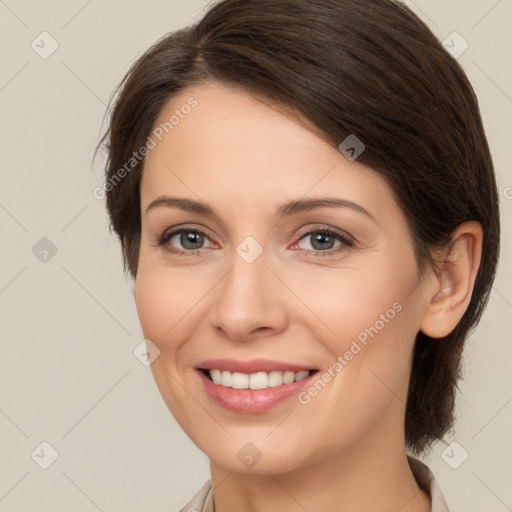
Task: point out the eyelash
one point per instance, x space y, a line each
347 242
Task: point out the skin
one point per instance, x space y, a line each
345 449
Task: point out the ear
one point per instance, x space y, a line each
453 281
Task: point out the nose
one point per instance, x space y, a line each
250 301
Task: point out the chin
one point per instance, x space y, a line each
254 457
271 464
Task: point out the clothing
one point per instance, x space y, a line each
203 500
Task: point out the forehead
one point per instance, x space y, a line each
233 146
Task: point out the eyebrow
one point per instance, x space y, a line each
286 209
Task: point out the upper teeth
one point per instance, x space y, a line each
260 380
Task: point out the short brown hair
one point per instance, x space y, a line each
365 67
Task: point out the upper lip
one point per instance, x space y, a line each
252 366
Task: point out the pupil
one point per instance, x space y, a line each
318 240
191 238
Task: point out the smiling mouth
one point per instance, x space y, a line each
254 381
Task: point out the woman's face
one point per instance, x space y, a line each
260 289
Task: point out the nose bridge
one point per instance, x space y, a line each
248 300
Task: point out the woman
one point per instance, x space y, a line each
305 197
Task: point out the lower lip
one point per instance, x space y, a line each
252 401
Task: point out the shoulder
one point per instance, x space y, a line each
201 502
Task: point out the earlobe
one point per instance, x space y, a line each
453 281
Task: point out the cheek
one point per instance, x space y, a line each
162 308
160 304
153 305
371 318
352 302
164 298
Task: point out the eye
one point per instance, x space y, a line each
191 240
323 241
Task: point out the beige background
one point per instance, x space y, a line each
68 375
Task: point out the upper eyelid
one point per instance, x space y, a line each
178 229
205 230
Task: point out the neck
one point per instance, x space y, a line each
351 479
